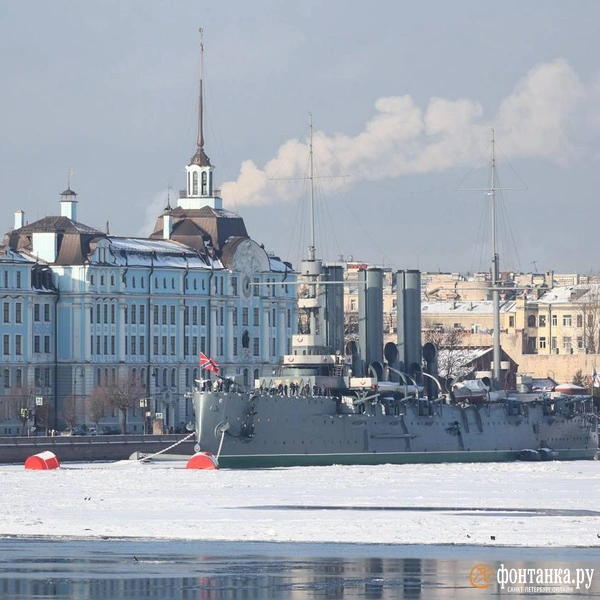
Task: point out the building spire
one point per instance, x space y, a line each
200 157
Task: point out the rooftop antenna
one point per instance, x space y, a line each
534 263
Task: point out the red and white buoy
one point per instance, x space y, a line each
43 461
203 460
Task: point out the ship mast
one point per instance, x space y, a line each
495 271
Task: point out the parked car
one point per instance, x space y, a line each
74 431
110 430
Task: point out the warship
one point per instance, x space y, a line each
360 403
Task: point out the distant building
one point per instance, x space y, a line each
82 309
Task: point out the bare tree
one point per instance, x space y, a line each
21 402
124 395
589 317
98 405
448 340
70 411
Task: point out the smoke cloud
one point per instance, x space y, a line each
535 120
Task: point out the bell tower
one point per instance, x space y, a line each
200 184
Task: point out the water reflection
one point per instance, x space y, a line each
40 569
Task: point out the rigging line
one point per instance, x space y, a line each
473 169
291 151
510 232
513 169
366 231
324 211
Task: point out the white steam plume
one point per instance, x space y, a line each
402 138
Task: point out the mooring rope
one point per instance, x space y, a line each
149 457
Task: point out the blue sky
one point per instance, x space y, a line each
403 95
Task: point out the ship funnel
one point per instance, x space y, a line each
370 314
332 301
390 353
408 306
430 356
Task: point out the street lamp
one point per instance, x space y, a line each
145 412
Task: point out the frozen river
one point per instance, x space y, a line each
555 504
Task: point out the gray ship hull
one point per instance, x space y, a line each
262 430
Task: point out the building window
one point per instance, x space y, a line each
256 346
255 291
164 345
567 344
105 340
255 317
531 344
580 343
203 343
47 313
112 280
18 347
531 321
173 377
36 312
542 343
234 287
6 345
164 314
579 320
105 313
553 343
6 312
289 317
18 312
98 342
195 315
126 312
245 317
554 320
6 378
566 320
542 321
195 346
186 345
133 345
112 314
186 315
18 279
194 183
172 315
235 346
47 344
133 314
155 345
142 344
172 345
112 345
156 315
234 317
204 186
273 346
19 378
142 314
203 315
511 321
36 344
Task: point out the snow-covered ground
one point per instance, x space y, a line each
391 504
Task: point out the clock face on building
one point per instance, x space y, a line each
249 259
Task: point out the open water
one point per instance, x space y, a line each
42 568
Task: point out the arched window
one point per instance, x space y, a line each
173 377
531 321
195 184
204 186
133 282
165 377
246 377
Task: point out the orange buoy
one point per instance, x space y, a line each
203 460
42 461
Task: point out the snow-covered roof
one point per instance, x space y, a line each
463 307
568 293
143 252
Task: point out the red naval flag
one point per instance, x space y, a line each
208 364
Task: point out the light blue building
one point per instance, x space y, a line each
83 309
